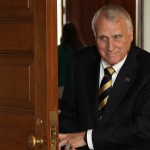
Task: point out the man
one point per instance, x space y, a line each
124 123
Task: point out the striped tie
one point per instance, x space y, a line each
105 89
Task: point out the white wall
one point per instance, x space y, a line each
147 25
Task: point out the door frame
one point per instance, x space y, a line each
46 80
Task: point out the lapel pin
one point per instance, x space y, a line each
127 79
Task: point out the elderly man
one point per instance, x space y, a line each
106 101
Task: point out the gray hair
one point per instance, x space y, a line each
111 12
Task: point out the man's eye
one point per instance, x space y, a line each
102 38
117 37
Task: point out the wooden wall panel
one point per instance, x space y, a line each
82 12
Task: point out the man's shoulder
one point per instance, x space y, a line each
143 55
142 59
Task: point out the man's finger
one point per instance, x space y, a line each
62 136
63 140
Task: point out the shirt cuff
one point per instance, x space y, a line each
89 139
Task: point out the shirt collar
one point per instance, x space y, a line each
116 67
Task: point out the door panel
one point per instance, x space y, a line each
16 9
15 129
16 76
28 73
16 35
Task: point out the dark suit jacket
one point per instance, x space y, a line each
126 121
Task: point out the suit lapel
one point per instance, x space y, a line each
122 84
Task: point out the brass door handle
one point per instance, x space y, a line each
33 141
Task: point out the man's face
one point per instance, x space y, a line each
113 39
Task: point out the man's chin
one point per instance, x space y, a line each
112 61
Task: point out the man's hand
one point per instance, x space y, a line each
71 141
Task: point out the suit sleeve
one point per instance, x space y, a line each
68 115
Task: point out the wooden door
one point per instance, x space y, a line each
28 74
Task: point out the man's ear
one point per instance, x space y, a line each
131 33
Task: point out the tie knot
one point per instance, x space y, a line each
109 70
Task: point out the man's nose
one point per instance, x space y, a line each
110 44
